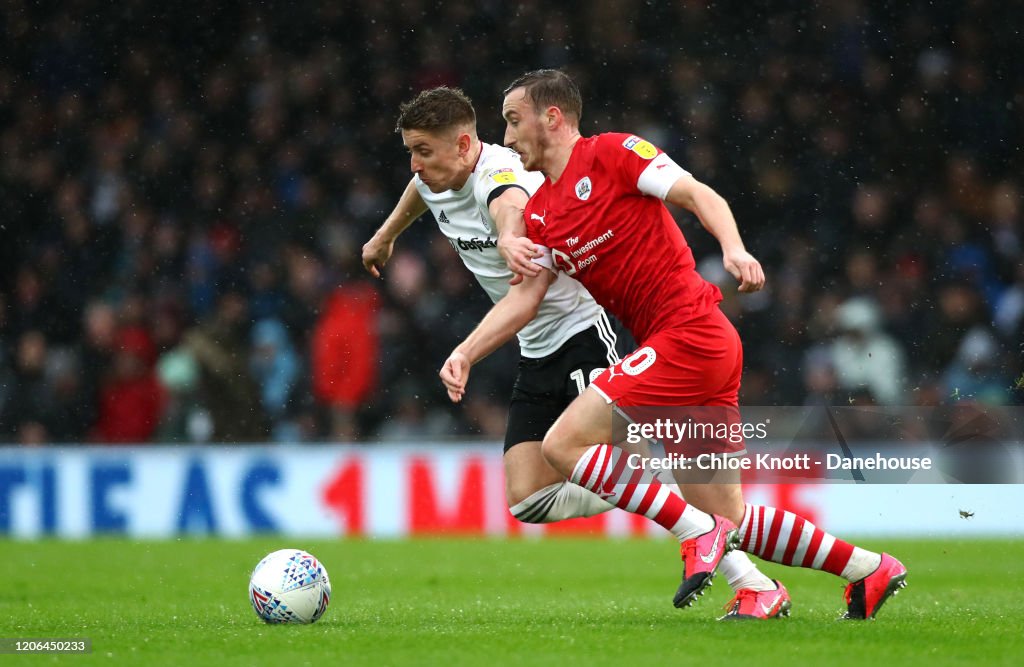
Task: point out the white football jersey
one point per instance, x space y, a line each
463 217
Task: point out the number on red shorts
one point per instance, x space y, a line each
639 361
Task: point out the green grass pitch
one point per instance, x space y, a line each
496 602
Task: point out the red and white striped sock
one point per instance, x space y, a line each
603 469
784 537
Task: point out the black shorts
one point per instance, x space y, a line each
544 387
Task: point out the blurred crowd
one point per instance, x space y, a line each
186 190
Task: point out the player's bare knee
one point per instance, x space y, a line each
549 448
555 449
579 427
532 506
526 472
517 493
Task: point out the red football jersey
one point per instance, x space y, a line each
623 245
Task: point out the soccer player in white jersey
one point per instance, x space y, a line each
604 222
476 193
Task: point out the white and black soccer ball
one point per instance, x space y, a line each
290 586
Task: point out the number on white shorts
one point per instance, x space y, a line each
577 376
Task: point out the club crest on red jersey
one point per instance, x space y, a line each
584 188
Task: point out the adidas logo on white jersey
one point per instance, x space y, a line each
443 218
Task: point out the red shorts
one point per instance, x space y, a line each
698 364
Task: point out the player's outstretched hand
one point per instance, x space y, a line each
376 253
455 375
746 269
518 251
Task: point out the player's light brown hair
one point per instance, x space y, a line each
551 88
436 110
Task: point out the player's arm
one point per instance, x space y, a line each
716 217
516 249
501 323
377 251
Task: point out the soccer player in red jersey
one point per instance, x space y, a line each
600 217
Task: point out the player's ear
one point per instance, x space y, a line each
553 117
463 142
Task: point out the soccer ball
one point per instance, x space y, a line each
289 586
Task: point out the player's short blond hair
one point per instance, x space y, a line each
436 110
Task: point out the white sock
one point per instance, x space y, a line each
741 572
862 563
557 502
